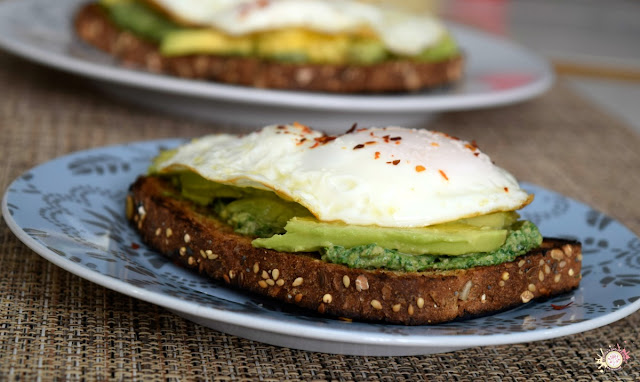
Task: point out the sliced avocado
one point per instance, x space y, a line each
308 235
139 19
202 191
204 41
164 155
248 210
366 51
262 213
282 44
261 216
327 49
299 45
444 49
495 220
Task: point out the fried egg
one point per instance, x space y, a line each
389 177
402 33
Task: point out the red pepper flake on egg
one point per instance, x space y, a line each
506 189
322 140
325 139
444 175
420 168
358 146
376 155
305 129
395 162
447 135
473 146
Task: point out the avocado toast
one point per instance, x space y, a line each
210 205
295 57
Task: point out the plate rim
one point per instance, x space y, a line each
272 326
280 98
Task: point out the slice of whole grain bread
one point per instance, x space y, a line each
93 26
185 233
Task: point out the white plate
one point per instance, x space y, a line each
71 212
498 72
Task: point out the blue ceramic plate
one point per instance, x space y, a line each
71 212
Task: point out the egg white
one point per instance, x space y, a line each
402 32
391 177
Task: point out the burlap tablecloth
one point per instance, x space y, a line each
47 332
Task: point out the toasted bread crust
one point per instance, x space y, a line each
176 229
92 25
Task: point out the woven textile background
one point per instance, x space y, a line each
56 326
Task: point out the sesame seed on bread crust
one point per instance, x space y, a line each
184 233
93 26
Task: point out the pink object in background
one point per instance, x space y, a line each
504 81
488 15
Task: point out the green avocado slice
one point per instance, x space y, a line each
308 235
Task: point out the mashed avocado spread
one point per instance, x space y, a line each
287 226
522 237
